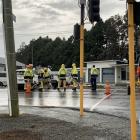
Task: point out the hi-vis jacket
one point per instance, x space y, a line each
28 72
74 71
47 73
40 73
62 71
94 71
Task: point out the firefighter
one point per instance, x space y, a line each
62 77
47 77
94 73
74 74
40 77
28 75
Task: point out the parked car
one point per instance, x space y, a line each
3 79
20 78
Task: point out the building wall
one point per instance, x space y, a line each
100 65
117 74
122 74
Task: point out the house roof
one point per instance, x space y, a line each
102 61
105 61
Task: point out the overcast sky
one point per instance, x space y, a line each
36 18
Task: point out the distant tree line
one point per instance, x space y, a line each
107 40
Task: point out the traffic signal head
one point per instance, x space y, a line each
77 32
137 13
94 10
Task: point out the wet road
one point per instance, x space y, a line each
117 104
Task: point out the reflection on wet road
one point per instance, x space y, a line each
118 102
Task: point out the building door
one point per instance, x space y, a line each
108 74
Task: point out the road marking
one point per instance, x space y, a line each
94 106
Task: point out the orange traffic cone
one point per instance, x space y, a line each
107 88
28 87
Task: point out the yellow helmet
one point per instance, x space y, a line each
45 69
73 64
62 65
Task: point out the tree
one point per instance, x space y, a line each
106 40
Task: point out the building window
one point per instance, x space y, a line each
123 73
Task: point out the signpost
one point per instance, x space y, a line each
132 69
10 57
82 2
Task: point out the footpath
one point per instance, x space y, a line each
41 123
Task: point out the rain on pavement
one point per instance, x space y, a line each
117 104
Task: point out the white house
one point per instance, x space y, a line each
114 71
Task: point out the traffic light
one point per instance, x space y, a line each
76 31
137 13
94 10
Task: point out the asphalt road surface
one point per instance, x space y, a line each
117 104
55 115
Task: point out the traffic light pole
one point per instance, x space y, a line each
81 58
10 58
132 69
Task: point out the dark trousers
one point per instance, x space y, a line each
93 83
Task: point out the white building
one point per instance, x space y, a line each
114 71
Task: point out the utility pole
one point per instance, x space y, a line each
10 57
82 3
132 69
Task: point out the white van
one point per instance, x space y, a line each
3 78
